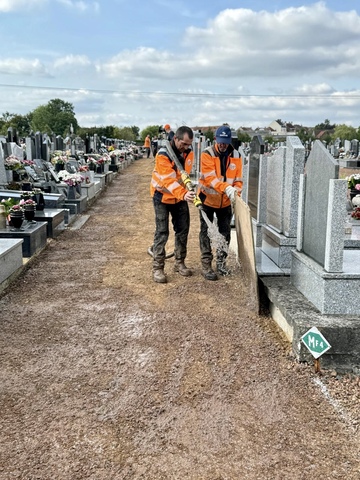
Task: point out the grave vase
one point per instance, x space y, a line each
59 167
40 201
100 168
71 192
16 220
30 213
353 193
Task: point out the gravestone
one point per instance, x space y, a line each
279 232
3 177
30 148
12 135
32 174
321 167
38 144
256 149
59 143
16 150
322 270
45 149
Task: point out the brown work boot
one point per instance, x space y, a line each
207 271
159 276
182 268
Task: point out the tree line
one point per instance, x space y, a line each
57 116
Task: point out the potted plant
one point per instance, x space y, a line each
16 214
58 159
73 180
355 214
38 197
29 207
353 180
11 163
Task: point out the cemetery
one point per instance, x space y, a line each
302 251
103 369
45 185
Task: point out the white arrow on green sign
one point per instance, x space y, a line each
315 342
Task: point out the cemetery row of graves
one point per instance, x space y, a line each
305 231
45 184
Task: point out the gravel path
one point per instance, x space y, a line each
107 375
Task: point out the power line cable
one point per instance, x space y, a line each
188 94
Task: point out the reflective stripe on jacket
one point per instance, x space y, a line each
212 184
166 178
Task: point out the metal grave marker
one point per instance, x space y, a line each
315 342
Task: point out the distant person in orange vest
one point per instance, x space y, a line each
170 134
147 144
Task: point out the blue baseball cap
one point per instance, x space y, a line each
223 135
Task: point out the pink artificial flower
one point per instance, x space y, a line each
357 186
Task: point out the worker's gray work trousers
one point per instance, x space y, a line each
180 219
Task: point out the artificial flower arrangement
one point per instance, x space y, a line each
353 180
106 157
28 203
72 179
356 213
83 168
17 208
27 163
26 194
91 161
58 157
12 163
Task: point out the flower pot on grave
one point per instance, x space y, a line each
100 168
29 212
16 220
92 167
40 201
59 167
71 192
353 193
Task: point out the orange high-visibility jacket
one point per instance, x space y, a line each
166 178
147 142
212 184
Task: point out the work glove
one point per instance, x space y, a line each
232 193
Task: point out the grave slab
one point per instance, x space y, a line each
331 293
53 217
33 234
295 315
11 258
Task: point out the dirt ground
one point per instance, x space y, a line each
106 375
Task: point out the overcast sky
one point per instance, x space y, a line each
151 62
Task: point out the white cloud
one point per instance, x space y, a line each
72 61
241 43
24 67
80 5
15 5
